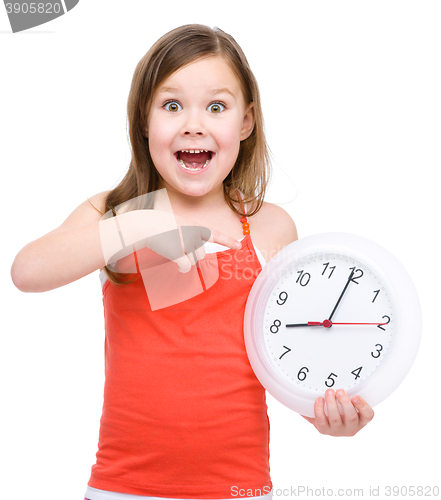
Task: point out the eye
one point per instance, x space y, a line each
216 107
172 106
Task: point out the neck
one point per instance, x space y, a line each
181 202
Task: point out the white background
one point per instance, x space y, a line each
352 104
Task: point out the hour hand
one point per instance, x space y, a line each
302 324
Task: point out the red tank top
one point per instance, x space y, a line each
184 415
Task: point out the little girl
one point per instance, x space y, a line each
184 415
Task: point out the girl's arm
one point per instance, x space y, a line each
64 255
80 246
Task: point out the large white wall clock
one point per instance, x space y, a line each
332 310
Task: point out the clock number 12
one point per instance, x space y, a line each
356 276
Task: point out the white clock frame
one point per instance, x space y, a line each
405 302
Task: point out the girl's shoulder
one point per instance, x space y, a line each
89 211
93 208
272 229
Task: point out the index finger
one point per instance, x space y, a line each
208 234
225 240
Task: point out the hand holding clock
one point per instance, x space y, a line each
356 414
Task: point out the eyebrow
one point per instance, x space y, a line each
214 92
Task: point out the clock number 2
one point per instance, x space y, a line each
387 322
329 382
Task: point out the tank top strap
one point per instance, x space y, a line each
244 219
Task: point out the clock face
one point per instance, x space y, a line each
332 310
317 357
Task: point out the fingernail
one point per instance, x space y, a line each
238 244
356 400
340 393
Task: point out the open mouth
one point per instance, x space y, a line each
194 159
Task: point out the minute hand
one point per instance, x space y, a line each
342 293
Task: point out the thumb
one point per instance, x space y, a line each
183 263
309 419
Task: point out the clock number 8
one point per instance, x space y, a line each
274 328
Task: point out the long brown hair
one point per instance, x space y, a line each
181 46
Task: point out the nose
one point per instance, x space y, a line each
194 125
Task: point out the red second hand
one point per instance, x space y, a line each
328 323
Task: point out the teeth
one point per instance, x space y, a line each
194 150
190 168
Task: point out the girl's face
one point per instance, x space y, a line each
196 122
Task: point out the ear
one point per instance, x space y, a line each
145 132
248 122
